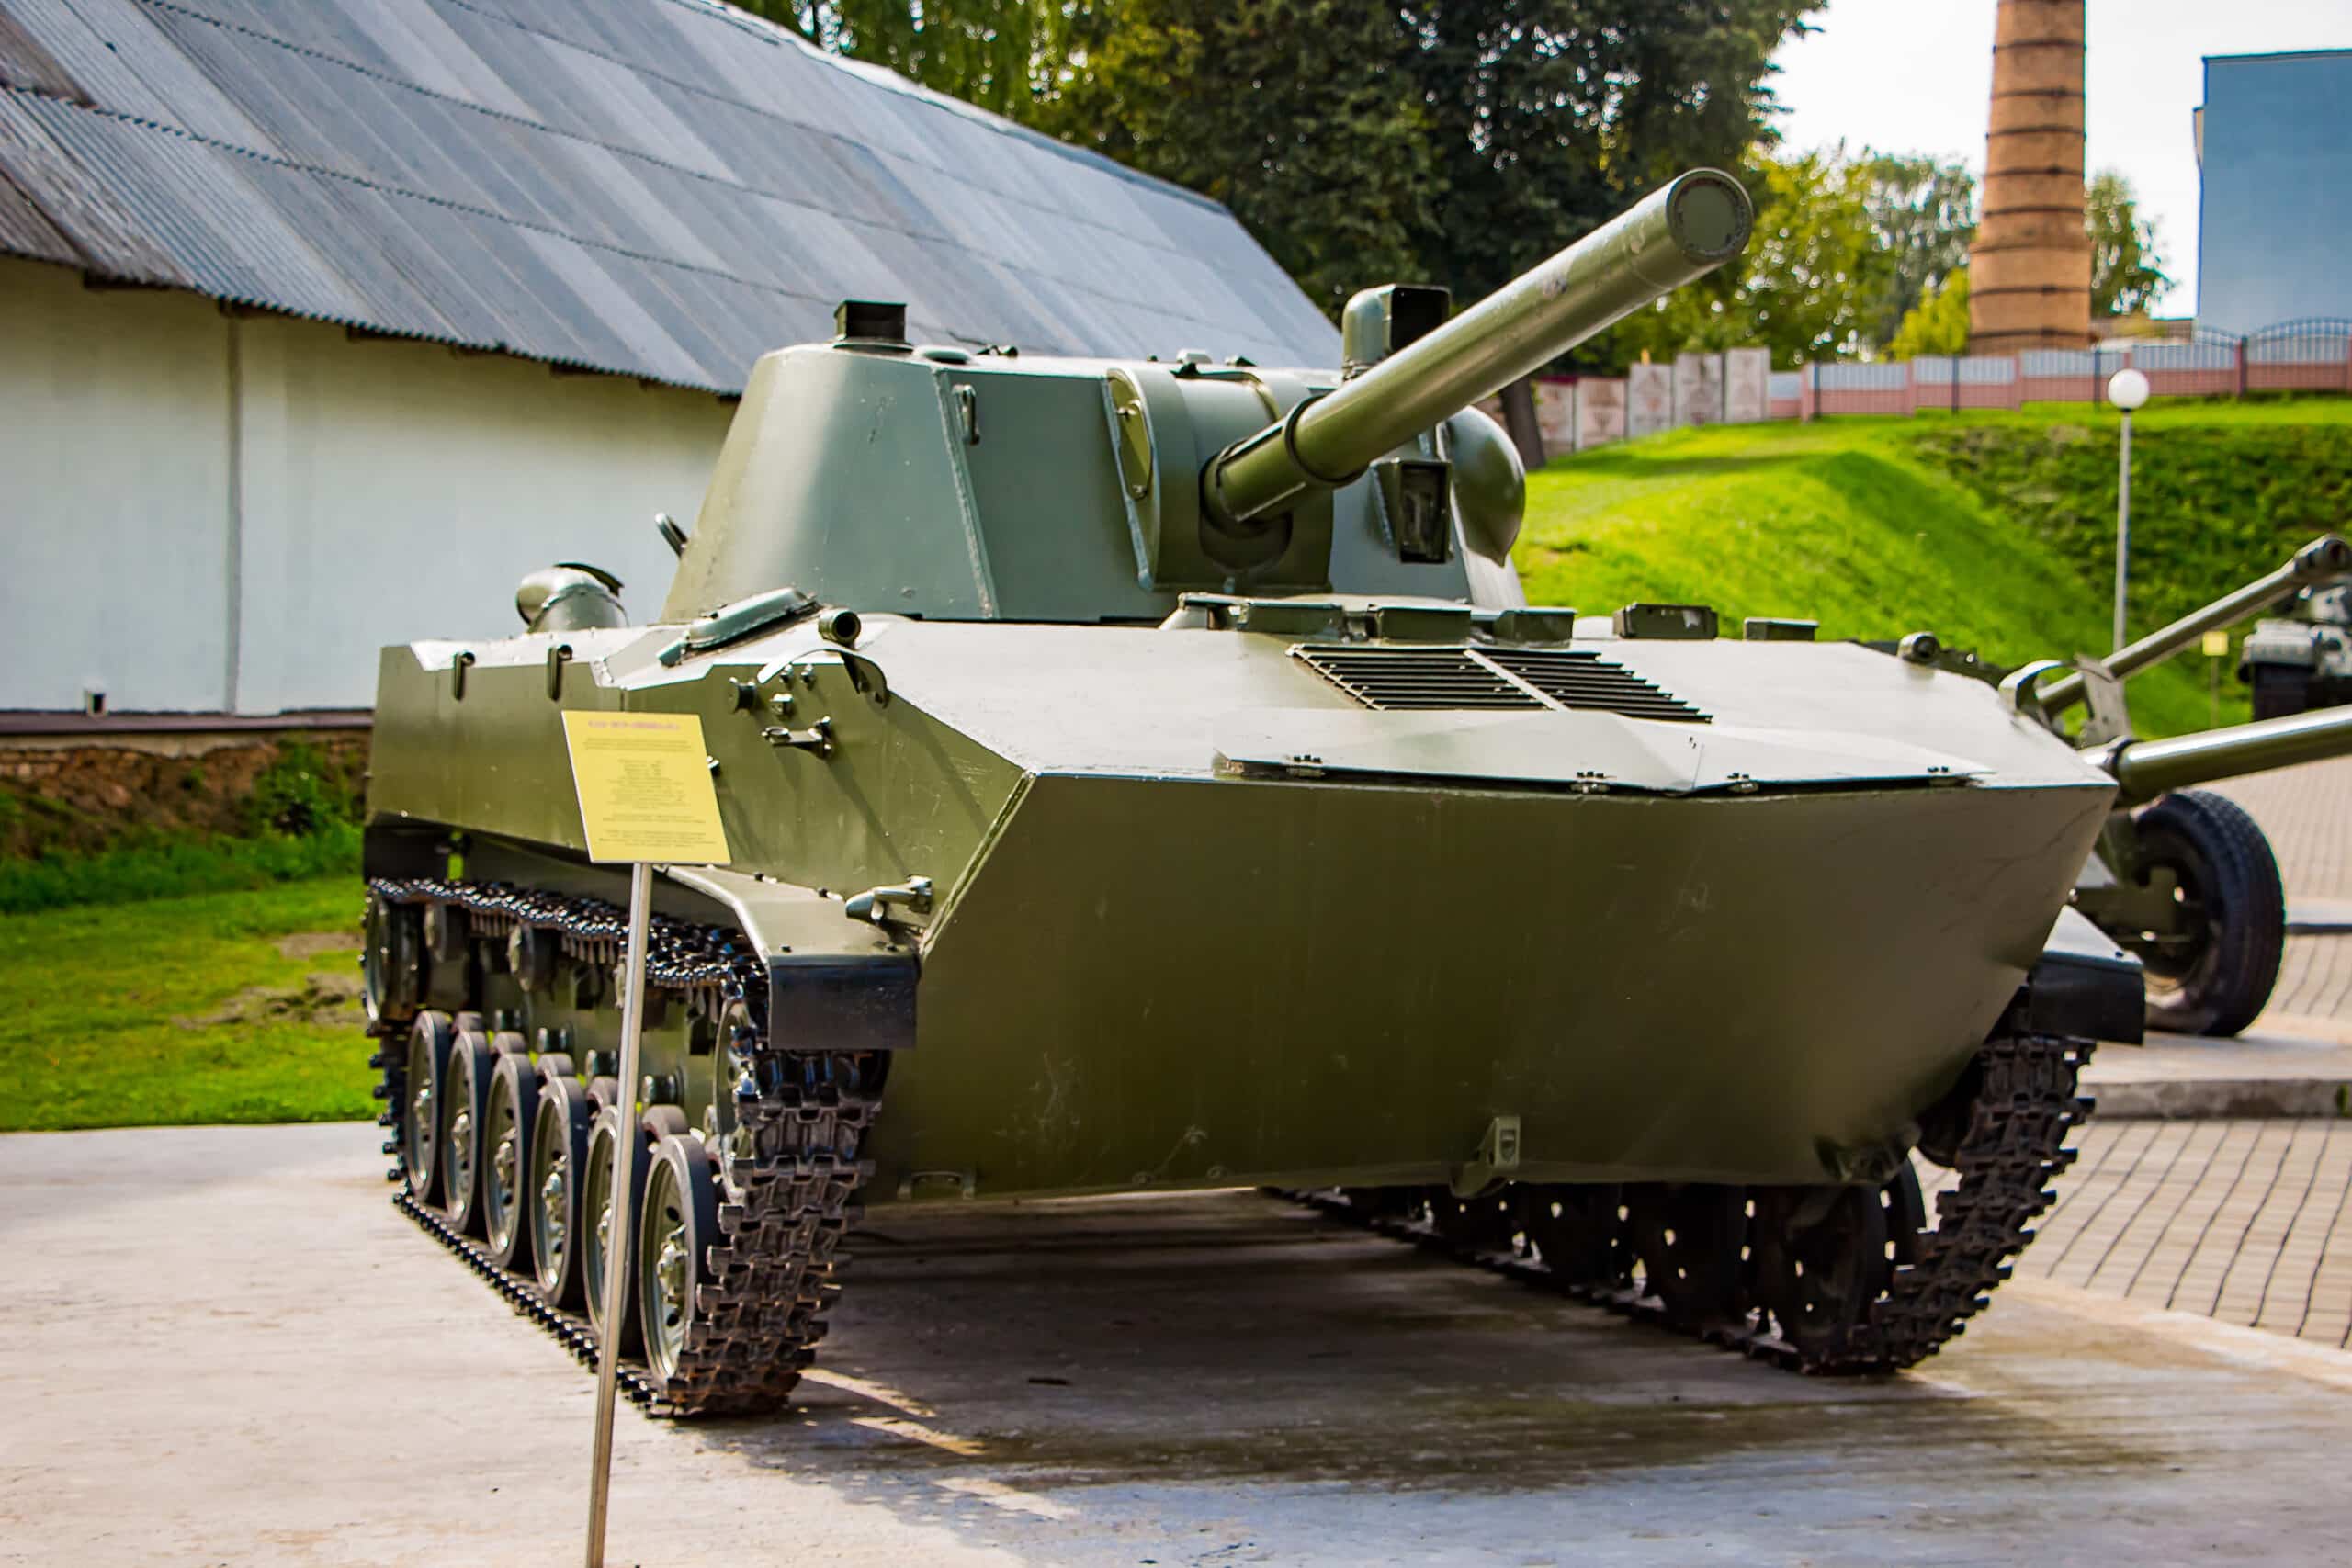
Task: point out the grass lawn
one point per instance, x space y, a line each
1986 530
226 1007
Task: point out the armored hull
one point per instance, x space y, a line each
1167 951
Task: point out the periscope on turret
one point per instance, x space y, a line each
1149 774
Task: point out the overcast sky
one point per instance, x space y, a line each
1914 75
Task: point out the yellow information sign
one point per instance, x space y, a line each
645 789
2217 645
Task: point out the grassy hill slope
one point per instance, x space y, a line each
1993 531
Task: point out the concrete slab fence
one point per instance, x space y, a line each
1739 386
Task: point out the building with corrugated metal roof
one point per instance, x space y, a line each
322 322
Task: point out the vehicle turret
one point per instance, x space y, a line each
1677 236
987 486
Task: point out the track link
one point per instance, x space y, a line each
786 1188
2013 1147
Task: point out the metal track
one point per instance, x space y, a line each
785 1193
2014 1146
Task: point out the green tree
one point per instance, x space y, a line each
1288 111
1005 55
1802 288
1938 324
2126 272
1922 213
1448 142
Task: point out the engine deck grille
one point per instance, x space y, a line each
1498 678
1415 677
1575 678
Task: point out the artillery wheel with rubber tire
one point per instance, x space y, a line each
2216 976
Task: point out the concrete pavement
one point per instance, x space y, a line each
228 1348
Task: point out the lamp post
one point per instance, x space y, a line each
2127 389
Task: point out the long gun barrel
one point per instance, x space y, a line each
1673 237
2146 768
2324 557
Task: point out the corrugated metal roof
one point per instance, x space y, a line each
663 188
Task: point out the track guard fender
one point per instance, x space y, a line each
2083 988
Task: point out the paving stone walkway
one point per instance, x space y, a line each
2245 1221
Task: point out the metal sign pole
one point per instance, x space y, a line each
2122 527
617 1246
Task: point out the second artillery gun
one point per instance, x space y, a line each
1149 775
2184 877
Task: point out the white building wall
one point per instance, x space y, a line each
114 482
366 492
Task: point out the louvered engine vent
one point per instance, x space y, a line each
1407 678
1576 679
1415 677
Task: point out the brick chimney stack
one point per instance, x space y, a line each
2029 272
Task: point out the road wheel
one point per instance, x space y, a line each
464 1107
2216 975
1576 1232
2280 689
1485 1224
672 1254
1821 1260
596 1233
559 1167
1690 1238
420 1112
506 1160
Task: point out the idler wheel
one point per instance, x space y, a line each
1821 1257
558 1178
465 1109
506 1160
595 1234
1575 1232
420 1112
392 961
1690 1238
672 1251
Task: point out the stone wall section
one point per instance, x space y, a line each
81 794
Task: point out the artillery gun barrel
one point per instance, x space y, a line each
2146 768
2324 557
1673 237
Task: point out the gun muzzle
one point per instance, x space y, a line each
1675 236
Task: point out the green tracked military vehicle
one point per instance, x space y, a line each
1149 775
2302 658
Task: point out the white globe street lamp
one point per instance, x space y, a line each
2127 389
